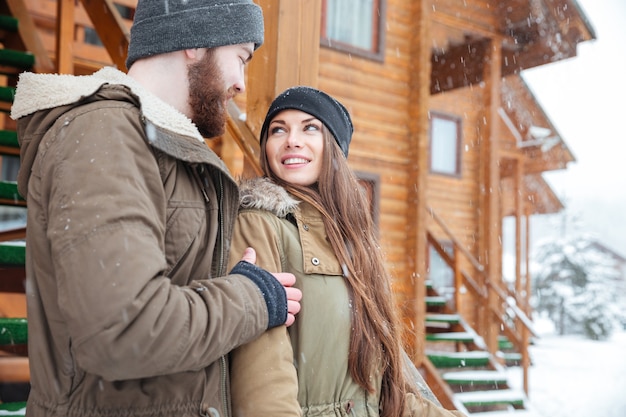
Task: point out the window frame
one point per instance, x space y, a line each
371 183
378 34
459 141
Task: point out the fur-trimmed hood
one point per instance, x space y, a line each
263 194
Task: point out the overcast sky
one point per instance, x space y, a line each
585 98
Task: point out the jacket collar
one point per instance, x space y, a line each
45 91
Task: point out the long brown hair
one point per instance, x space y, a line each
375 336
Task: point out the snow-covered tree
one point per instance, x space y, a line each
576 285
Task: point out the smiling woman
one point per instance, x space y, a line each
308 216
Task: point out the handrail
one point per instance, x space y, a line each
445 228
111 29
243 136
476 287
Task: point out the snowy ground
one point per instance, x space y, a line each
575 377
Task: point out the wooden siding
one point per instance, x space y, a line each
377 96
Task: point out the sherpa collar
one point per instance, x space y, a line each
44 91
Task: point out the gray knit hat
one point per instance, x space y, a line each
162 26
316 103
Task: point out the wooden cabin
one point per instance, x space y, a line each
449 142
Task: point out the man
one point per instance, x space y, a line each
131 311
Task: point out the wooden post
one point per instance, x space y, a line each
490 222
289 55
65 36
418 176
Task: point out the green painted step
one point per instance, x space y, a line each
512 358
18 59
475 378
9 138
443 318
8 191
435 301
9 23
7 94
491 398
458 359
505 343
12 253
464 337
13 331
13 409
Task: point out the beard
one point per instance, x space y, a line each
207 96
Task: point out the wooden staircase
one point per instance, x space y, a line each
475 379
14 371
465 371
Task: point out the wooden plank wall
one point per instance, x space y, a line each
377 96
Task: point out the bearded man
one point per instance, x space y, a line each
131 311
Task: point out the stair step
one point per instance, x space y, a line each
9 138
475 378
15 61
465 337
490 398
9 196
458 359
9 23
438 318
508 413
13 409
505 343
7 94
510 357
435 301
13 331
12 253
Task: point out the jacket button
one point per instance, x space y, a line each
305 227
315 261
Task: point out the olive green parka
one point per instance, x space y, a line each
304 372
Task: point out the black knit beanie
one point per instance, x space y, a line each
316 103
162 26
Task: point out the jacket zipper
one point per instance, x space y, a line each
220 270
220 215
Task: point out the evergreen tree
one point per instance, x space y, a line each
577 286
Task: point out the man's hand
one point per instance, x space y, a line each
287 279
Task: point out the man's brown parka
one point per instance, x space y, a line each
130 217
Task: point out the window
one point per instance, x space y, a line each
354 26
445 144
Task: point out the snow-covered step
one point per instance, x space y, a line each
511 413
458 359
465 337
495 397
435 301
443 318
476 378
13 409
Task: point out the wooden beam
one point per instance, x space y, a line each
111 29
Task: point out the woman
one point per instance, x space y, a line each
308 215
